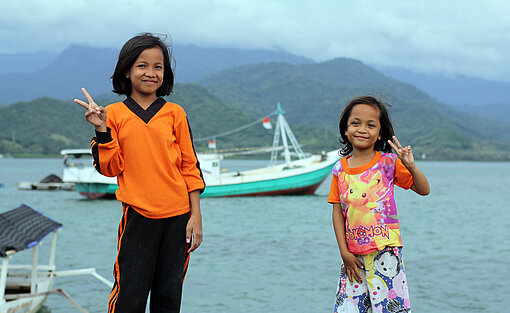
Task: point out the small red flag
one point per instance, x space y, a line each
266 122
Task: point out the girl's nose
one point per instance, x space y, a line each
149 72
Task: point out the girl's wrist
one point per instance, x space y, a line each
195 212
344 252
410 166
101 128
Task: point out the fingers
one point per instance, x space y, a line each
353 274
398 147
195 235
397 142
197 241
87 95
393 146
349 274
188 234
357 276
83 104
359 264
96 110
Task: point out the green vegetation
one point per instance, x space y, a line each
45 126
313 96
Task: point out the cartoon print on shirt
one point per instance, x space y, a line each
360 201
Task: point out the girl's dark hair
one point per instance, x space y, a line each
386 131
127 57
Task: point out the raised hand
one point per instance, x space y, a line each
405 154
96 115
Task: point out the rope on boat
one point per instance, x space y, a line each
235 130
58 291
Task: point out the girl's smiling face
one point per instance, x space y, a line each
363 127
146 74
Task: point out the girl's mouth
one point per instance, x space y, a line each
361 137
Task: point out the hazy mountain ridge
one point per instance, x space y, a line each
15 63
455 90
83 66
313 94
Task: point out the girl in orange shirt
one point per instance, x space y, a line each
147 144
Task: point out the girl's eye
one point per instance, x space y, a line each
140 65
371 125
355 123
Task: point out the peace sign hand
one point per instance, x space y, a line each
96 115
404 154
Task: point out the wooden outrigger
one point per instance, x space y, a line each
24 288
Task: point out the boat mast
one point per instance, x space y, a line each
282 129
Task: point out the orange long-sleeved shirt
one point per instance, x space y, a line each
152 154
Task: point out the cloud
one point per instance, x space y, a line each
458 37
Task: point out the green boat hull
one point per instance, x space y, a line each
305 183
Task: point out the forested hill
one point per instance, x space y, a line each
46 125
315 94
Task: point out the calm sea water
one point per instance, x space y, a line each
279 254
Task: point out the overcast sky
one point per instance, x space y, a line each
455 37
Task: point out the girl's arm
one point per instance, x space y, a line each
107 155
190 167
351 262
421 184
194 227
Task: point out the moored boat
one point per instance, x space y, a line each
300 176
24 288
21 229
50 182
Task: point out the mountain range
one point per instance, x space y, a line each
233 87
78 66
315 94
455 90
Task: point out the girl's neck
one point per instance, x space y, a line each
360 157
144 101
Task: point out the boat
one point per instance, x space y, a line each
24 288
301 176
50 182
